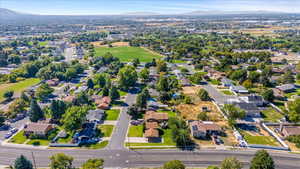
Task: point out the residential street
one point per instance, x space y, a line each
119 134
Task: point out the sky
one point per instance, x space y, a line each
98 7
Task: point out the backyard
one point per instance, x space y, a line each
127 54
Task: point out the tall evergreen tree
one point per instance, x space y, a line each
114 93
35 112
262 160
90 84
22 163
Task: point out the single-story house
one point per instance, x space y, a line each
69 98
200 129
153 125
287 88
258 100
38 129
239 89
95 116
152 135
103 103
152 116
290 131
53 82
250 109
226 82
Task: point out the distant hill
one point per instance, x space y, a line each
10 14
141 13
229 12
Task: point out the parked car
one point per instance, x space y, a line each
4 127
8 135
14 130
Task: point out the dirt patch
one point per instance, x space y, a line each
97 43
191 111
191 91
153 52
119 44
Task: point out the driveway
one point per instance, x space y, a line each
17 124
119 134
219 97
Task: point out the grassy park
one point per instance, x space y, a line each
17 87
127 54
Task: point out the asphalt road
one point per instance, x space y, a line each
146 158
219 97
119 134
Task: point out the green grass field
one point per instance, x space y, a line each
17 87
100 145
261 140
271 115
106 130
227 92
127 54
19 138
112 114
135 131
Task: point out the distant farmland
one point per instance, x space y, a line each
127 54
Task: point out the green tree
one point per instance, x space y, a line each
25 98
174 164
134 112
161 66
127 77
114 93
203 95
74 118
100 79
61 161
44 91
197 77
231 163
136 62
144 75
17 107
203 116
90 84
2 119
8 95
35 112
294 111
141 100
262 160
93 164
288 77
268 95
22 163
105 91
57 109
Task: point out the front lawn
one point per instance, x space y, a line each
38 142
19 138
215 82
227 92
112 114
136 131
260 140
106 130
100 145
17 87
65 140
127 53
122 93
167 140
170 113
271 115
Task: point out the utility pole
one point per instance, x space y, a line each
33 160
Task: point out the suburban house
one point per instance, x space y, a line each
239 89
258 100
153 125
38 129
204 129
250 109
290 131
152 135
69 98
152 116
216 74
86 135
287 88
53 82
278 93
103 103
95 116
153 105
226 82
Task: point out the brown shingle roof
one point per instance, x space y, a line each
153 125
151 133
156 116
209 126
292 130
37 127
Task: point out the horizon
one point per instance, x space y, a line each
164 7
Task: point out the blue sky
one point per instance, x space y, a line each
85 7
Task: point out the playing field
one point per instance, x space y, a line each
127 54
17 87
